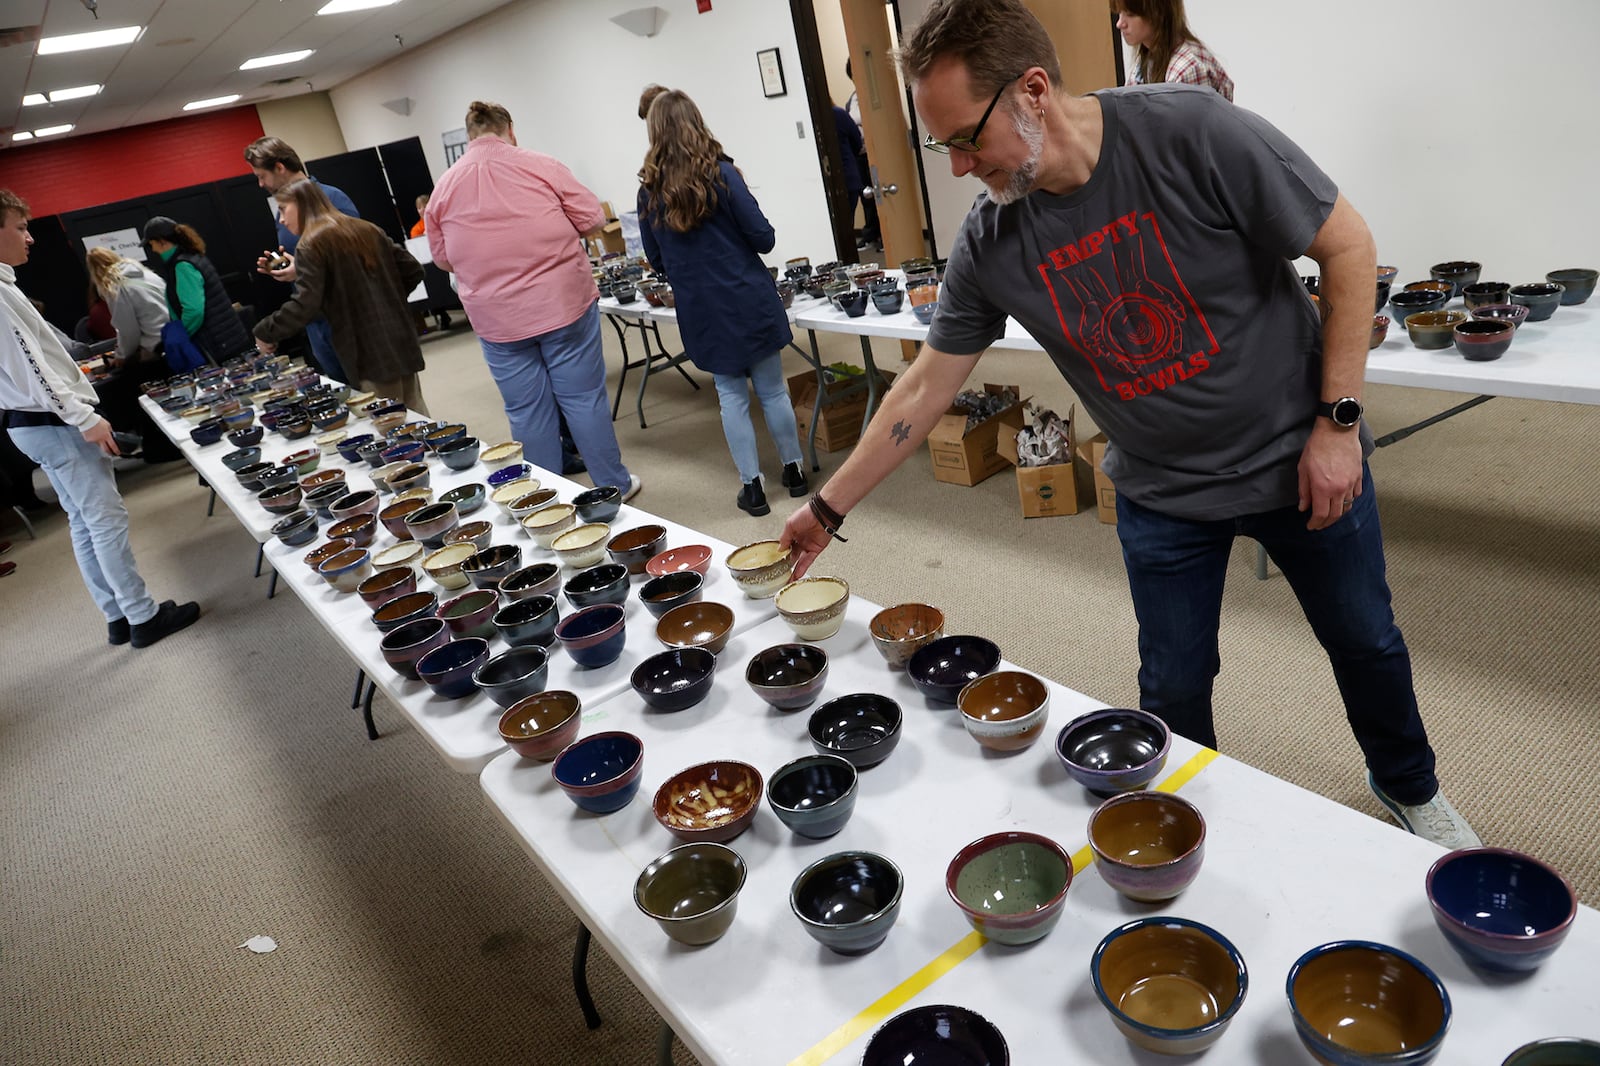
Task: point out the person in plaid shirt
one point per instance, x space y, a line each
1165 49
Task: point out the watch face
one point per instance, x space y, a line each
1347 412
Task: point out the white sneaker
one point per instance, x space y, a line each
1436 820
634 485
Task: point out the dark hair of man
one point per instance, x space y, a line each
264 153
996 40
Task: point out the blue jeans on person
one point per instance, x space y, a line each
733 395
81 474
1176 569
563 370
320 335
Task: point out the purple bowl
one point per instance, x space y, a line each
1114 750
1515 314
942 668
448 669
1147 845
594 636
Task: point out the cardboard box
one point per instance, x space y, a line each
1044 491
963 458
839 422
1093 452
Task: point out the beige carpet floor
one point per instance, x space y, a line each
159 807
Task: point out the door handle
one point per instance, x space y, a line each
874 192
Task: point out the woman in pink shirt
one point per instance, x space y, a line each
508 222
1165 49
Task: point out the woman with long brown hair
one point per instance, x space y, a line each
703 229
351 273
1165 49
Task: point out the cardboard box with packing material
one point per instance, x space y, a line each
839 421
962 457
1093 452
1044 491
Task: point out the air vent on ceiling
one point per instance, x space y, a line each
10 35
290 80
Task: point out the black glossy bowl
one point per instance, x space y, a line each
486 569
937 1034
662 594
514 675
942 668
862 728
675 679
788 676
598 505
530 621
536 579
606 583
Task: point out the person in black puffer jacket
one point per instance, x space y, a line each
194 289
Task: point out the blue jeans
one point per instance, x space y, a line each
81 474
563 370
1176 569
320 335
733 394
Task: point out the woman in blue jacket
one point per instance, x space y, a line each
703 229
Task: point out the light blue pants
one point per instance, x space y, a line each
81 474
733 394
563 370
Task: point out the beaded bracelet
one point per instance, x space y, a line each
829 519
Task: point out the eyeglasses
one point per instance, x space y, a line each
968 143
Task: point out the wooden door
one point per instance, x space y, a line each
1086 41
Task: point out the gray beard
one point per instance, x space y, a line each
1021 181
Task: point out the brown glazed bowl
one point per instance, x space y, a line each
898 631
539 726
394 516
635 547
325 551
1172 986
712 801
385 585
1380 331
478 534
1357 1002
537 579
1148 845
1434 329
359 529
702 624
1006 710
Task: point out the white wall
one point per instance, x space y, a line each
571 79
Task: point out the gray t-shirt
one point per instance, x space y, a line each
1164 291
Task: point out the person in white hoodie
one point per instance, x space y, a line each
137 299
49 413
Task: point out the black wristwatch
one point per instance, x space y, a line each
1346 411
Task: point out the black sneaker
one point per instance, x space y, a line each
794 479
752 500
170 618
119 632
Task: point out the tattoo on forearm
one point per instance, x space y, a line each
901 432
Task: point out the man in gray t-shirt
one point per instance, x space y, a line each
1145 237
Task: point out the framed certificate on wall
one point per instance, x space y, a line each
771 64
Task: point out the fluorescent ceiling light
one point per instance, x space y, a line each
339 7
77 92
217 101
277 60
22 135
48 130
78 42
34 100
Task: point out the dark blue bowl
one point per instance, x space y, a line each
1501 909
507 474
675 679
460 453
595 635
1540 298
941 668
606 583
208 432
924 312
243 457
409 452
448 670
600 773
529 621
598 505
246 438
934 1035
348 448
513 675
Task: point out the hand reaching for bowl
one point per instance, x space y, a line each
804 534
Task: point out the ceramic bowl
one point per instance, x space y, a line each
526 504
402 610
1434 329
363 501
502 496
385 585
444 565
692 891
1380 331
814 606
1577 284
1457 272
510 474
695 557
486 568
208 432
1113 750
1388 273
1540 298
675 680
788 676
1006 710
538 726
703 624
760 569
1357 1003
1415 301
1010 885
407 555
380 476
898 631
848 901
1481 340
371 453
280 500
635 547
661 594
538 579
1381 294
936 1034
325 551
393 420
360 529
528 621
279 477
322 498
1484 293
594 637
477 534
349 449
1501 909
448 669
431 523
436 439
1556 1051
501 455
1172 986
328 443
296 529
924 312
404 645
548 523
459 454
513 675
246 438
1149 846
471 614
304 462
606 583
711 801
321 479
862 728
598 504
813 795
410 476
943 667
347 569
250 475
581 546
1515 314
394 516
245 455
600 773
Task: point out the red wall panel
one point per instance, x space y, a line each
99 168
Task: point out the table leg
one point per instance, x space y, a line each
366 710
622 339
655 327
664 1045
1261 563
816 406
1406 431
26 524
211 504
872 384
272 586
644 379
355 697
580 978
261 553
